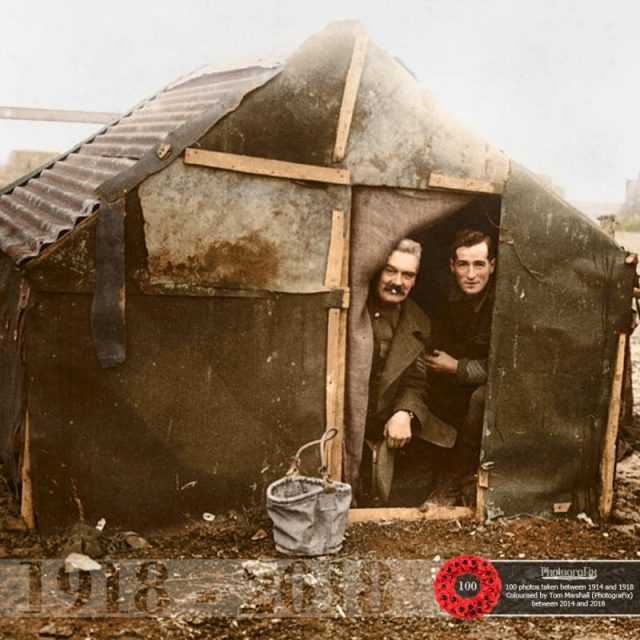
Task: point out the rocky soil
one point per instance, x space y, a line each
238 538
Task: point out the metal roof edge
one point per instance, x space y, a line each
172 85
36 172
175 142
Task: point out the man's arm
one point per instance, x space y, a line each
412 388
409 405
473 371
466 371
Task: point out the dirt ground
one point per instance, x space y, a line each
247 537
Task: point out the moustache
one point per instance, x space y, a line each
394 289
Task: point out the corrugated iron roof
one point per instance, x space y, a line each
39 208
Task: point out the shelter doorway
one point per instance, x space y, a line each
383 217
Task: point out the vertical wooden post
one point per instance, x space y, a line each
333 393
608 459
26 502
336 275
335 259
481 490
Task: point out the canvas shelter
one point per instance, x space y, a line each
183 299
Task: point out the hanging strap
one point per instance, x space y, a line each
108 304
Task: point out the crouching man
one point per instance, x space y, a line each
458 367
397 406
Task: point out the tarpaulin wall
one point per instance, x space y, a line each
13 298
563 295
213 399
225 375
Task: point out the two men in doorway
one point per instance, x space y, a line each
437 398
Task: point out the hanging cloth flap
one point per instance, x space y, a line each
563 295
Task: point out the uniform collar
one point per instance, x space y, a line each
387 310
456 294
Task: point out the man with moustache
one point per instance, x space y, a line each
458 367
397 407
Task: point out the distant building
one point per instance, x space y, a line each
613 216
21 162
605 213
632 198
597 210
609 224
619 220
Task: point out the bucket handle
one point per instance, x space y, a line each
294 469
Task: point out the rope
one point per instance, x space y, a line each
294 469
508 239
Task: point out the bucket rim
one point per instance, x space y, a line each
340 487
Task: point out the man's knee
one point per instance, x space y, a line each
471 432
475 414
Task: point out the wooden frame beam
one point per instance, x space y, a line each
336 275
57 115
481 489
26 498
350 93
333 272
266 166
409 514
334 395
608 459
440 181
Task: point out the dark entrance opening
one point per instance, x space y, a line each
419 465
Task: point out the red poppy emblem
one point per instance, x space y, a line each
467 587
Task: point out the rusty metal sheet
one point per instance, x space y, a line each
220 228
70 265
107 149
214 398
398 134
197 122
39 209
39 212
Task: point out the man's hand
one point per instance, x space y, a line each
441 362
397 430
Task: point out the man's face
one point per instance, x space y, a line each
472 268
397 278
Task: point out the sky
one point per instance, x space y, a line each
553 83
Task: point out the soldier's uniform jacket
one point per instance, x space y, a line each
463 330
398 378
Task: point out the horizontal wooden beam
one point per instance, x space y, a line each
57 115
440 181
266 166
410 514
327 298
